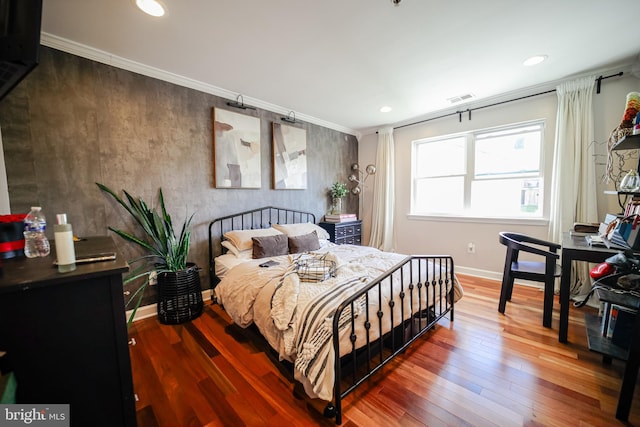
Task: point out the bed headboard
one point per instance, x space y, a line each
249 220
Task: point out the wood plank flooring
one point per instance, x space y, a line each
484 369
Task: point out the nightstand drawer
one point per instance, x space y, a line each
348 233
349 240
345 231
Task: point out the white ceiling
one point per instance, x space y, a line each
336 62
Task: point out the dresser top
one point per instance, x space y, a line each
22 273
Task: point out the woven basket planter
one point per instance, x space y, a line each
179 295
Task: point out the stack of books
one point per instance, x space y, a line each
617 324
340 217
584 228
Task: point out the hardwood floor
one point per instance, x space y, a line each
484 369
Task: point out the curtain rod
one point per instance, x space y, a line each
469 110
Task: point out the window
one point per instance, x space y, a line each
490 173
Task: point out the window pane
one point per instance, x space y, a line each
513 154
440 158
487 173
439 195
518 197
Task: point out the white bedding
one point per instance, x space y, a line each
277 303
226 262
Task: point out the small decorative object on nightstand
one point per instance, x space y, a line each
344 233
338 190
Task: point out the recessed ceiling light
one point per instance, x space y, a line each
385 109
151 7
534 60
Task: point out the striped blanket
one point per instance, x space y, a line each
304 312
295 316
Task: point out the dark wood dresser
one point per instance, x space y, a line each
66 336
344 233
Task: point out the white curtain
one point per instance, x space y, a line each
573 192
382 218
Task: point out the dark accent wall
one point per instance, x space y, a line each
74 122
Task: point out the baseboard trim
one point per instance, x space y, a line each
493 275
151 310
476 272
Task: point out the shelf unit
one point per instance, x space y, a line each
605 346
629 142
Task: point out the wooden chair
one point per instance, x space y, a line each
545 270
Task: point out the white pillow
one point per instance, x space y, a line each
241 239
292 230
232 248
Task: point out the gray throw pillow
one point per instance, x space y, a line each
304 243
268 246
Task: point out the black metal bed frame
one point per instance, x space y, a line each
249 220
422 289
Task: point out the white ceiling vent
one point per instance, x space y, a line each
460 98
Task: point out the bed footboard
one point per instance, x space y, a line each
419 292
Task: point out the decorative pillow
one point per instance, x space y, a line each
304 243
292 230
241 239
268 246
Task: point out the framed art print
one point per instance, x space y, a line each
236 151
289 157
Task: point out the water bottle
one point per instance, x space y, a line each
35 242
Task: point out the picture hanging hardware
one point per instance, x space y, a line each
291 118
239 103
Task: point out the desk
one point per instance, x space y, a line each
575 248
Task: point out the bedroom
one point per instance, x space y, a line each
95 134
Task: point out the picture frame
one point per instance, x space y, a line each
289 157
236 151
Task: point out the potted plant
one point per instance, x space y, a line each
179 292
338 191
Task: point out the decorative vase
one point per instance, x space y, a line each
630 182
336 206
179 295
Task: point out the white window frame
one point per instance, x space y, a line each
469 177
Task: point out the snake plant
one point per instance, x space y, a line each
166 251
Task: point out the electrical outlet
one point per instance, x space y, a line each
471 248
153 278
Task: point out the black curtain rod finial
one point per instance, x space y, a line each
600 79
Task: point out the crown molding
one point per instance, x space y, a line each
107 58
